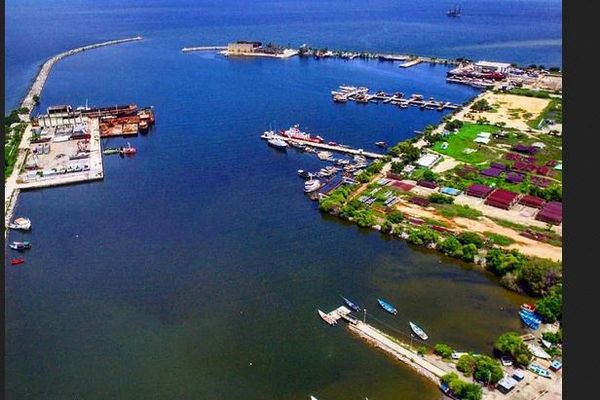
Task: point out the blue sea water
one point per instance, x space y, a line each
195 268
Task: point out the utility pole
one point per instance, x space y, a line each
365 316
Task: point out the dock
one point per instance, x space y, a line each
361 95
204 48
339 149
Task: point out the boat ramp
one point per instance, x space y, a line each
362 95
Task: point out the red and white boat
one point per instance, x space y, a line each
128 149
295 133
16 261
528 307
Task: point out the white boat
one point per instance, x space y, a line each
277 143
324 155
312 185
267 135
21 223
538 352
327 318
418 331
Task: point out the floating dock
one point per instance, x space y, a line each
362 95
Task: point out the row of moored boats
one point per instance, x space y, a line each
22 224
383 304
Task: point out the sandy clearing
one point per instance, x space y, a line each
531 105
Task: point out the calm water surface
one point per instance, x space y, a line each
194 270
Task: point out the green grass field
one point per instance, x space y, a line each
462 140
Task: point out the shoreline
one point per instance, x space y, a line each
11 191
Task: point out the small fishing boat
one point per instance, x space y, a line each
447 391
277 143
20 246
383 145
546 344
536 369
530 319
17 261
327 318
128 150
21 223
312 185
110 150
267 135
387 307
332 143
538 352
324 155
418 331
350 304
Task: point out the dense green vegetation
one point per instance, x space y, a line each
466 364
423 236
464 390
453 125
336 199
540 94
498 239
455 210
438 198
553 337
511 344
443 350
395 217
549 307
12 139
487 370
481 105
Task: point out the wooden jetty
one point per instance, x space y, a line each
362 95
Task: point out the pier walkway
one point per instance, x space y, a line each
339 149
362 95
204 48
381 340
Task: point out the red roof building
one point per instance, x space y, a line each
551 213
501 198
532 201
478 190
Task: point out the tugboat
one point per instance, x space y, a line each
20 246
128 150
21 223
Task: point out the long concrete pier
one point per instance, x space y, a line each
204 48
11 190
358 152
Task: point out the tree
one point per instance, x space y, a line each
397 167
395 217
549 307
481 105
487 370
510 343
466 364
386 227
450 246
453 125
538 275
501 262
462 389
443 350
429 175
471 238
553 337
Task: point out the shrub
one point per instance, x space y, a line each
395 217
553 337
471 238
469 251
501 262
423 236
453 125
397 167
443 350
450 246
386 227
422 350
429 175
466 364
364 218
440 198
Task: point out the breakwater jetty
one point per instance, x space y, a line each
38 84
203 48
11 189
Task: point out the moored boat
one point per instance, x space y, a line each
128 150
350 304
381 144
312 185
16 261
387 307
277 143
21 223
304 174
20 246
530 320
418 331
528 307
327 318
536 369
110 150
